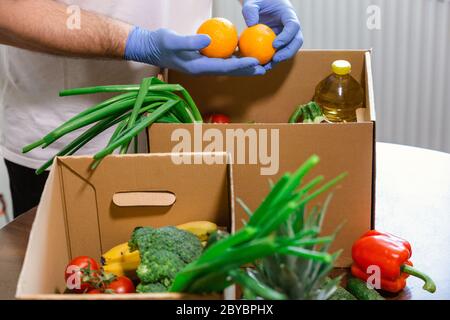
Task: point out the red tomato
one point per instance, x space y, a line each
121 285
217 118
81 274
95 291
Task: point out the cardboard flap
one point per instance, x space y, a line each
370 94
341 147
103 206
47 251
144 199
273 97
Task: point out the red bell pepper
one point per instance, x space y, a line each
391 254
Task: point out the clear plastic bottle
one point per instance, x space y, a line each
339 95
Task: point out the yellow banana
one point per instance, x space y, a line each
202 229
126 268
119 253
120 261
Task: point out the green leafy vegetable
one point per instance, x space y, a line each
134 109
261 238
164 252
307 113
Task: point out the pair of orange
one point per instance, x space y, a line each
255 42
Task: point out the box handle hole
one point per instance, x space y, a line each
144 199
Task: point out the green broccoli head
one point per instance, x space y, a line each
138 235
159 266
151 288
185 244
164 252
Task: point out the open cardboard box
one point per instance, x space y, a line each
269 101
85 212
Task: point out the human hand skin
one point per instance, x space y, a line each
40 25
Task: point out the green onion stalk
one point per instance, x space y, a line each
279 227
134 108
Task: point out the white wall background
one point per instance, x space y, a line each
411 59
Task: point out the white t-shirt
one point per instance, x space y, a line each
30 100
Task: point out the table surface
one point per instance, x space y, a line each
412 201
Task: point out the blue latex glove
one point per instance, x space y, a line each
281 17
167 49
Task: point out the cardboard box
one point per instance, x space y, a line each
85 212
269 101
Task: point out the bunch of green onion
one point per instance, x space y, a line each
133 110
220 264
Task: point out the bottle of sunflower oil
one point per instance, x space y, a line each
339 95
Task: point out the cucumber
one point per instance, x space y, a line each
359 289
342 294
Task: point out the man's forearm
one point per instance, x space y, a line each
41 25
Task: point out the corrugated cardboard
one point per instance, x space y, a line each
269 101
85 212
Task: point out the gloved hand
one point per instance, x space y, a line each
281 17
167 49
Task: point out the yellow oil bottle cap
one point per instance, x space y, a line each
342 67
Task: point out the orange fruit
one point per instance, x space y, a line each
224 38
257 42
